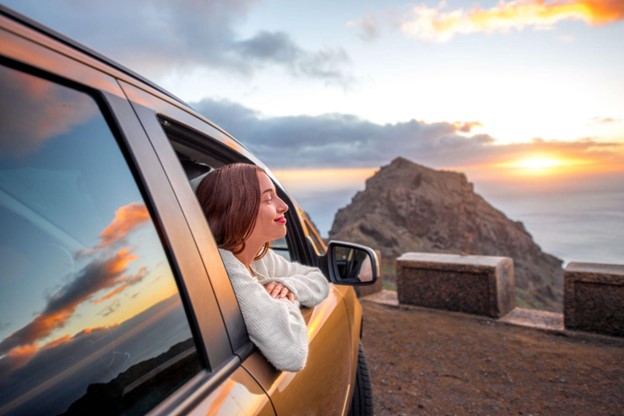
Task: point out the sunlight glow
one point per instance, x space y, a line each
323 179
544 165
539 163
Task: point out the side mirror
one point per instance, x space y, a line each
351 264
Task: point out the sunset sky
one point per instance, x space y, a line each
525 92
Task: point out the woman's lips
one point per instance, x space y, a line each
281 220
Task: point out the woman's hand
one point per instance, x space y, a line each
279 291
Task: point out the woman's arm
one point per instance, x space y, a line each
308 284
275 326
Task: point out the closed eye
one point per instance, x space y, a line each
267 196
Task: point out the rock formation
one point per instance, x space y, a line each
409 207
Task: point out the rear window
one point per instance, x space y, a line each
91 320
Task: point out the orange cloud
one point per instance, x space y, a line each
39 110
536 160
64 339
96 276
112 293
20 355
127 218
466 126
132 280
99 274
434 24
120 262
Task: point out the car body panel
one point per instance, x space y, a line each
239 394
317 382
320 386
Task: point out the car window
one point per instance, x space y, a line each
281 247
197 163
91 320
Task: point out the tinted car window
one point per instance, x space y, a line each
91 320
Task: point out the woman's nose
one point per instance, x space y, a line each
282 206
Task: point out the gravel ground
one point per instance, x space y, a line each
440 363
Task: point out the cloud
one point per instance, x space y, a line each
467 126
39 111
110 309
158 37
434 24
278 48
18 356
106 269
367 27
346 141
97 275
60 371
342 140
127 218
604 120
127 282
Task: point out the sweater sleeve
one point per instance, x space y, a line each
275 326
307 283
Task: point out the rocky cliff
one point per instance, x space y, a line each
409 207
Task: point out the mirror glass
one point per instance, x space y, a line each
353 264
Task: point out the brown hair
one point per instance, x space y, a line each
230 199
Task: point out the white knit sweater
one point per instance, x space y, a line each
276 326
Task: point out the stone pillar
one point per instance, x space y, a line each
481 285
593 298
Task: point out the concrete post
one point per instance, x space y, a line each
481 285
593 298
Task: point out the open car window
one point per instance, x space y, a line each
198 156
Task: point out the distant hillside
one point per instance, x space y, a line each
409 207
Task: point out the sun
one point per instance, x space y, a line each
539 164
543 165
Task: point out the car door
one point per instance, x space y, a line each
324 386
106 304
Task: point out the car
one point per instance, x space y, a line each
114 298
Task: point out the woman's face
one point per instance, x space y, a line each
270 222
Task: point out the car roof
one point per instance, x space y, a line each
32 24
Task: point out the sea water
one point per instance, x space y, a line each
584 225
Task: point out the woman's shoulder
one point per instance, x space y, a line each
226 255
225 252
270 255
272 259
229 260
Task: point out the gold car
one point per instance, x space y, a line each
114 298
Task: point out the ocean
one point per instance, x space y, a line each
581 223
584 226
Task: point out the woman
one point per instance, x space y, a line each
245 215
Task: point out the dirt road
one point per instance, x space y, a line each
439 363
